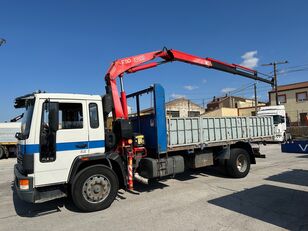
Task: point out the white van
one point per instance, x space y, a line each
279 116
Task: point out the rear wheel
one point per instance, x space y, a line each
2 152
94 188
238 165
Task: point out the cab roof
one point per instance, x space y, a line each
21 101
67 96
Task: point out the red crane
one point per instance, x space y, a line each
141 62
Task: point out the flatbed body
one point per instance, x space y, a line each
169 134
201 132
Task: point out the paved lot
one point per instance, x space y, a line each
274 196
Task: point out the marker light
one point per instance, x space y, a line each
24 184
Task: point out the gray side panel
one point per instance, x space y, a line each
205 130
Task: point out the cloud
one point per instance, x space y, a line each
190 87
282 72
249 59
253 96
227 89
204 80
177 96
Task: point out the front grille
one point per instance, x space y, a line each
20 164
25 161
19 158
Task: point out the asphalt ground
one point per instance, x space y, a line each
274 196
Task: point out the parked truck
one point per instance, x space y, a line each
280 121
8 142
64 147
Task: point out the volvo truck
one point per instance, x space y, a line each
66 149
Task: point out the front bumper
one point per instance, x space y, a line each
25 195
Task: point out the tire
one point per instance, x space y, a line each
284 138
238 165
2 152
94 188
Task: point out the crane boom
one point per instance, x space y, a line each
142 62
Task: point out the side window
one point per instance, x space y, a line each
173 113
70 116
193 113
93 111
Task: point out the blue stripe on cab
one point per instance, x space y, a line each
29 149
97 144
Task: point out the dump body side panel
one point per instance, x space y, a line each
210 130
8 131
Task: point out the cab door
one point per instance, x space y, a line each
96 127
52 165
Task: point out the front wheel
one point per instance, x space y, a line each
238 165
2 152
94 188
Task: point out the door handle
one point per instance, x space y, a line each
81 145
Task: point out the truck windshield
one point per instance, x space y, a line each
27 118
278 119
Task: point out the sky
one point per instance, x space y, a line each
67 46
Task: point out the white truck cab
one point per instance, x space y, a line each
46 157
279 116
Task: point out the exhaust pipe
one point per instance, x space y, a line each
141 179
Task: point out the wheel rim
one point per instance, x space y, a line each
96 189
241 163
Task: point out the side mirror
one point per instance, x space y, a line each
19 136
107 104
53 116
